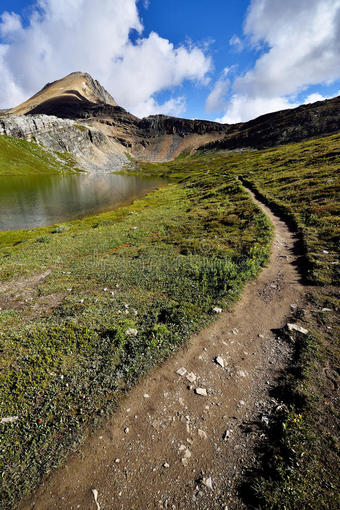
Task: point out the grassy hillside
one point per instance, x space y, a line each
299 462
105 298
20 157
72 294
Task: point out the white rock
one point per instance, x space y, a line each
260 336
191 377
117 461
207 482
202 434
181 371
9 419
235 331
187 454
241 373
220 361
325 252
131 332
201 391
217 309
146 395
293 306
126 430
166 465
227 435
326 310
95 495
296 327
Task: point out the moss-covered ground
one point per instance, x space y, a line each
127 287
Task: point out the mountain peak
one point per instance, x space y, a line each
77 86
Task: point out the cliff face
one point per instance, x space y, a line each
108 132
91 147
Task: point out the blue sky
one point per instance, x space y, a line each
225 60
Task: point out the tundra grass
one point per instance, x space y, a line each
89 306
21 157
299 461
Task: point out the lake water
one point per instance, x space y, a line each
35 201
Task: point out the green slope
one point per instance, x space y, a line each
20 157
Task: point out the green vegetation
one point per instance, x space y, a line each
301 181
20 157
158 267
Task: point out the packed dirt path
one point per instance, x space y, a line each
169 447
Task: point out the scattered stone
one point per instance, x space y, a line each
326 310
207 482
217 309
241 373
235 331
166 465
81 301
201 391
131 332
9 419
226 435
293 306
265 419
117 461
242 403
105 289
202 434
181 371
220 361
95 495
325 252
296 327
191 377
146 395
187 454
260 336
126 430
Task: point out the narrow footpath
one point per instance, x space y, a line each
183 437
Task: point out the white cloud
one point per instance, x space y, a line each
236 43
217 97
72 35
302 41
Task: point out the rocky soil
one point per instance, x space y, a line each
183 438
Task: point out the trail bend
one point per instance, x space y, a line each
165 441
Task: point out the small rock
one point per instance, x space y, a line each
220 361
131 332
95 495
326 310
265 419
241 373
207 482
217 309
117 461
146 395
126 430
202 434
235 331
105 289
242 403
325 252
201 391
187 454
293 306
166 465
296 327
9 419
181 371
260 336
191 377
226 435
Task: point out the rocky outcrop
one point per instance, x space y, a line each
92 149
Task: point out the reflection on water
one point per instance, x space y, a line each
34 201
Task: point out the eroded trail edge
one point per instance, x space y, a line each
169 446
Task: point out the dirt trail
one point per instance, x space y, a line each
165 441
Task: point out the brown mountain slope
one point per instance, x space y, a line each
161 138
75 88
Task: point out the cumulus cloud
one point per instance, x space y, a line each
300 44
236 43
217 97
63 36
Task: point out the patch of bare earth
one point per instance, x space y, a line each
184 441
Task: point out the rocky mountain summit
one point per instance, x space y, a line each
76 114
